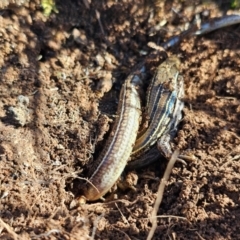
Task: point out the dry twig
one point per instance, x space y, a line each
160 193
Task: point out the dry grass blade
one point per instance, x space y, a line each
160 193
9 229
87 3
95 225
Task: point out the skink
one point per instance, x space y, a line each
167 131
113 159
164 105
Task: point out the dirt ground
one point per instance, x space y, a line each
57 103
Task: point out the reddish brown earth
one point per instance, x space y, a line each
56 103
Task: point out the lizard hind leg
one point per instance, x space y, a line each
164 146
